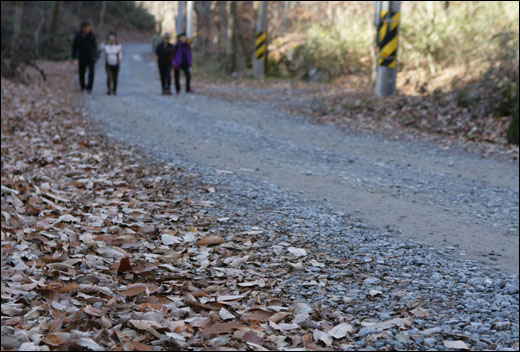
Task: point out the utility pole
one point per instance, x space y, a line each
180 17
387 21
261 41
189 20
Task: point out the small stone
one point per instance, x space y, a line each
501 325
480 345
429 341
371 281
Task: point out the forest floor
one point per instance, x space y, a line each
149 222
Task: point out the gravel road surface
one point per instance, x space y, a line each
442 198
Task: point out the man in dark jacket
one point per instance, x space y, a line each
164 53
84 48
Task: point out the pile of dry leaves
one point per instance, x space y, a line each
101 250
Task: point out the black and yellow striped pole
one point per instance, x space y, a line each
260 52
387 37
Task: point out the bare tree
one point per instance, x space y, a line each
203 11
231 9
102 13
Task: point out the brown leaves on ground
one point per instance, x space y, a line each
100 251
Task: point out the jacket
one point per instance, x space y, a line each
182 54
164 54
113 53
84 48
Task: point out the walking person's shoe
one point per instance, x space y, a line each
169 92
108 92
114 92
189 91
178 92
89 91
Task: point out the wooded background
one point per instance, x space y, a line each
443 45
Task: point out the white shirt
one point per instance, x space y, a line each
113 53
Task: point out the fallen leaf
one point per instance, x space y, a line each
220 328
225 314
93 311
252 336
168 239
210 240
297 252
66 288
340 330
53 340
319 335
124 265
90 344
419 313
399 322
300 307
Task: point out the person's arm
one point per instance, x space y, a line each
174 58
189 56
158 50
95 47
120 54
74 48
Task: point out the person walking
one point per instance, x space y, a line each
113 55
84 48
182 61
164 53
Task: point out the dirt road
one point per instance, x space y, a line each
442 198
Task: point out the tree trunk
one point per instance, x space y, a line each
243 56
55 17
222 13
17 20
231 43
102 13
203 11
286 8
512 132
37 34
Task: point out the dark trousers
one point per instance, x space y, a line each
166 77
177 72
112 73
82 67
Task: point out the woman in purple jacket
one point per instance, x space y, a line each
182 61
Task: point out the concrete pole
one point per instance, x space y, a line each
189 19
261 41
180 17
387 40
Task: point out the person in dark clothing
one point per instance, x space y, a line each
164 53
84 48
182 61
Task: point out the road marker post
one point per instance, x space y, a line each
260 52
387 40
